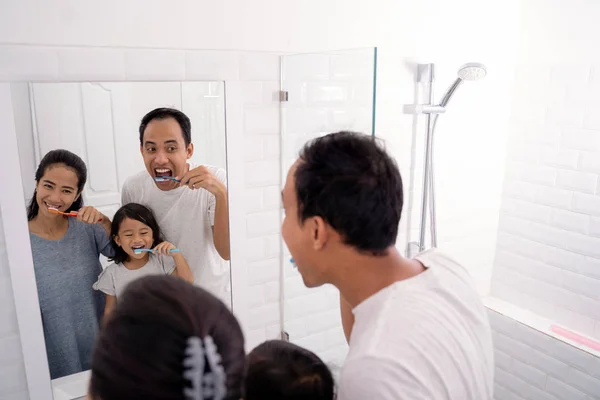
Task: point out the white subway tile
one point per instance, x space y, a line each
553 197
591 267
526 210
501 393
565 116
271 147
591 119
260 317
212 65
28 63
519 190
582 284
256 296
253 148
531 337
254 337
80 64
584 382
501 323
528 373
559 158
579 181
574 320
265 223
272 292
562 258
352 67
586 204
327 93
252 93
571 355
581 139
141 65
563 391
272 197
262 173
263 271
538 174
259 67
306 67
273 332
261 120
12 380
590 161
502 360
274 243
570 221
253 200
255 249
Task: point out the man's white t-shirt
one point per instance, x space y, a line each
186 218
427 337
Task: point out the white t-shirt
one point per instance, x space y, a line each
116 276
186 218
427 337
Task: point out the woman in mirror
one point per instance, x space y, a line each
66 252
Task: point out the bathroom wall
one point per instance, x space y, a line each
532 365
548 254
65 40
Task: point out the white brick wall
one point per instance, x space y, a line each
532 365
551 198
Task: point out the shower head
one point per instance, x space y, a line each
472 72
468 72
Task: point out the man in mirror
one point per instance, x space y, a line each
190 202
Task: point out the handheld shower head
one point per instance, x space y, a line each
468 72
472 72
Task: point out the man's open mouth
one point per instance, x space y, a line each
159 172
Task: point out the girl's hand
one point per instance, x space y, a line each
164 249
89 215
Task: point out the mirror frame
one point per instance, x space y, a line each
18 247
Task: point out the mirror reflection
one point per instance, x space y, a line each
121 180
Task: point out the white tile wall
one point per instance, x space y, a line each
532 365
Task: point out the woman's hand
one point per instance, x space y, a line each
164 249
90 215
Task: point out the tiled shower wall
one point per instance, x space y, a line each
548 252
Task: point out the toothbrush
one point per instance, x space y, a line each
139 251
69 214
165 178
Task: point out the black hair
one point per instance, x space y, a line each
164 113
281 370
139 213
67 159
140 349
349 180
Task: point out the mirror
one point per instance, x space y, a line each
82 263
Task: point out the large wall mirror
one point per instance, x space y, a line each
82 262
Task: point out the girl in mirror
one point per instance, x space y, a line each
66 261
134 227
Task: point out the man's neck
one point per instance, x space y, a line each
361 276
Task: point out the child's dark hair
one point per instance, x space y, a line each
140 349
282 370
67 159
139 213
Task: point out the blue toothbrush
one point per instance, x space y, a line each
165 178
139 251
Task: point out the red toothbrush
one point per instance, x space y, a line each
69 214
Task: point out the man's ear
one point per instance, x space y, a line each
190 151
319 232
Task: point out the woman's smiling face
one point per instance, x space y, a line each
57 189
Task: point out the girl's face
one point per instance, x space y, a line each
132 235
57 189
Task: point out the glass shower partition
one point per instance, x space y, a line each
322 93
